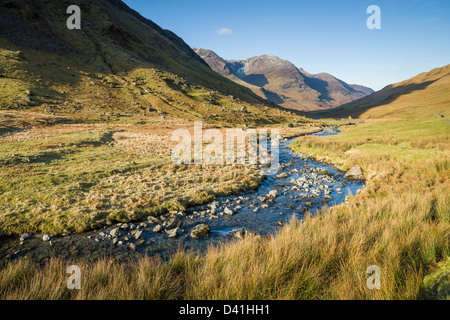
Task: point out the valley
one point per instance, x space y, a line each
88 126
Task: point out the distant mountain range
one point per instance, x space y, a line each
281 82
426 95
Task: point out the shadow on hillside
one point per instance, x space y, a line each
258 80
272 96
320 86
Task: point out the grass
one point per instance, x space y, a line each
73 178
76 177
147 279
400 222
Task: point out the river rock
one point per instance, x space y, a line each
172 223
228 211
173 233
137 235
46 237
273 193
115 233
354 173
240 234
158 228
200 231
282 175
153 219
25 236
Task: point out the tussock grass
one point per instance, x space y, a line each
106 279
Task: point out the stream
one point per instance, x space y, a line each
301 185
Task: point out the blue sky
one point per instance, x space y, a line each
318 36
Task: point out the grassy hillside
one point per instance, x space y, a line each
120 67
424 96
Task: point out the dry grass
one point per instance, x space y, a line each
106 279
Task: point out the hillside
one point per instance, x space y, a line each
426 95
281 82
120 67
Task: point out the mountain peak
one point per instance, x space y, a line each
280 81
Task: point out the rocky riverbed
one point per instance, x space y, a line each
301 185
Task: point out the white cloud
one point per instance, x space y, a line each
225 31
431 20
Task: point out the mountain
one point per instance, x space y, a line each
281 82
119 65
423 96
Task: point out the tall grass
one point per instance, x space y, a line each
148 278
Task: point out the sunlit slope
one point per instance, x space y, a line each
426 95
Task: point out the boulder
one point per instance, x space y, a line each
172 223
354 173
200 231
